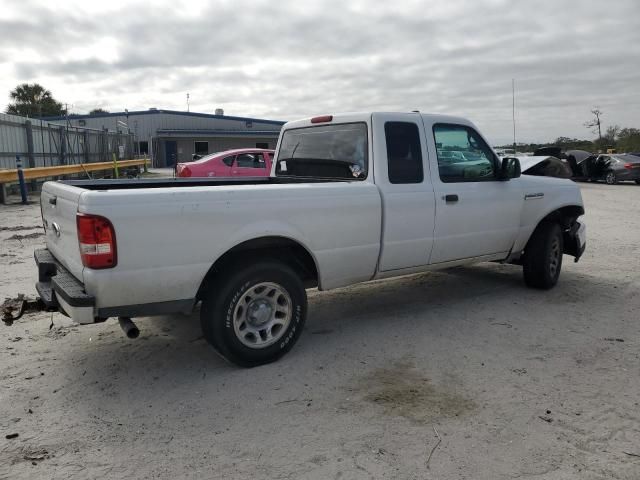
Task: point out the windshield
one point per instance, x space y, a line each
328 151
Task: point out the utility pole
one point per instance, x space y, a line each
187 102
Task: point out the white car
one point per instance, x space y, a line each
351 198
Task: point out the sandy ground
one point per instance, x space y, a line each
517 383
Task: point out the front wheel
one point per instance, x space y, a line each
542 260
257 314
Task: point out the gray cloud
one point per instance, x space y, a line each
290 59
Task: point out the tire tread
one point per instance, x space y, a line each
534 265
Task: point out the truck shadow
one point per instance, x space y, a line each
444 290
171 355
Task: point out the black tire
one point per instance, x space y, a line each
610 178
637 181
270 289
542 260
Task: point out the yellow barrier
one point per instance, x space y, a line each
11 176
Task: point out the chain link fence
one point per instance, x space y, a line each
44 144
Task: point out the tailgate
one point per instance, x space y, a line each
59 205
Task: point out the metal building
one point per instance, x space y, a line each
170 136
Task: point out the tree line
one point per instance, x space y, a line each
620 139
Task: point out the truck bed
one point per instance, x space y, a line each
168 236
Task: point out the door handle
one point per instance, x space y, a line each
451 198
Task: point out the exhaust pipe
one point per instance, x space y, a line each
128 327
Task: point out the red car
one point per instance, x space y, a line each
244 162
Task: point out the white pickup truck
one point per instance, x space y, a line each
351 198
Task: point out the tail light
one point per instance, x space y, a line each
628 166
97 240
183 170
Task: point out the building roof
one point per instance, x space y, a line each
215 133
172 112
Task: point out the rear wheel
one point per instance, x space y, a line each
638 181
256 315
542 260
610 178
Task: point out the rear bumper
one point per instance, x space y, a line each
59 289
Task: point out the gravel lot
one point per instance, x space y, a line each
516 383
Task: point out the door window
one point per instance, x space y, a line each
463 156
250 160
404 156
228 161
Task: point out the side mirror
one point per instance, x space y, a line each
510 168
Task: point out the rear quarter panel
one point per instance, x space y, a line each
213 167
168 238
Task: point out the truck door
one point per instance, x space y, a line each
476 213
401 172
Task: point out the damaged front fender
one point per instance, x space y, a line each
575 240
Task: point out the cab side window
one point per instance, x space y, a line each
404 155
463 156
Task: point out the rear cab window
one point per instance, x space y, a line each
337 151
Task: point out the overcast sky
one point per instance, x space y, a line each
289 59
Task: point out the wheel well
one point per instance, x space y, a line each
282 249
564 216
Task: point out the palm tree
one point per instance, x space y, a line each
33 100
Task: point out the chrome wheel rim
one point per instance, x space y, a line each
554 261
611 178
262 315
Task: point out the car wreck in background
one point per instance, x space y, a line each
546 166
581 165
617 168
